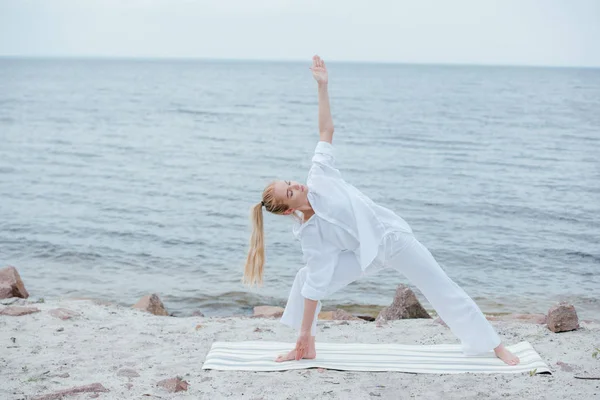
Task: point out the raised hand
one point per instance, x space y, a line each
319 70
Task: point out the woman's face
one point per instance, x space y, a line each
293 194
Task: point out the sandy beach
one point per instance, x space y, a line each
128 352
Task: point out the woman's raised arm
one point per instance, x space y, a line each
319 71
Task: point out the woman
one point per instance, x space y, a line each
344 235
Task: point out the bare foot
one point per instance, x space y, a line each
505 355
309 355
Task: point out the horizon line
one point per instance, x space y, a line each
289 60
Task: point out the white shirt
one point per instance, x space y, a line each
344 220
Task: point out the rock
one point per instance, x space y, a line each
267 312
562 317
63 313
151 304
405 305
17 311
5 291
337 315
173 385
10 276
197 314
93 388
128 372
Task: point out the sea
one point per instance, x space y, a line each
125 177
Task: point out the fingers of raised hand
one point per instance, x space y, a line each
318 62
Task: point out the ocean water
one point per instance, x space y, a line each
122 178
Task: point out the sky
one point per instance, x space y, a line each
502 32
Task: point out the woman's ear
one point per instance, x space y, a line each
288 211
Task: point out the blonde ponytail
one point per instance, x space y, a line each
253 271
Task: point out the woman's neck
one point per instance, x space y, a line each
307 214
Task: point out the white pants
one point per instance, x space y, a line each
407 255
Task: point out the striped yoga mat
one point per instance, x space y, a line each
425 359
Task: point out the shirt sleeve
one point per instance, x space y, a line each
321 258
324 159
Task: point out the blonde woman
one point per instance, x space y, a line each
343 235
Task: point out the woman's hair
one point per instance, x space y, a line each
253 271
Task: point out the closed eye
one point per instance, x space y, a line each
289 192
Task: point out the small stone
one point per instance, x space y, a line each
562 318
17 311
198 327
173 385
9 276
197 314
63 313
151 304
267 312
564 366
128 372
60 329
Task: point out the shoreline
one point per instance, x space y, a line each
104 343
328 305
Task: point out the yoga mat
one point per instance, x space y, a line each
423 359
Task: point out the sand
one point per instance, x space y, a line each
107 341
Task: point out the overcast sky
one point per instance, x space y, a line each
517 32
